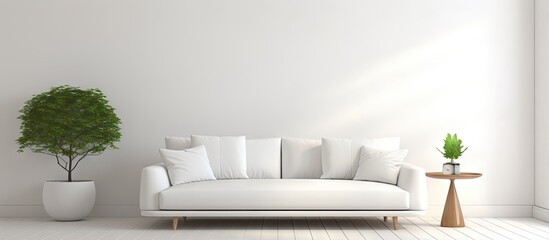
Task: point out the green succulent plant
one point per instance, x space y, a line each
452 147
68 123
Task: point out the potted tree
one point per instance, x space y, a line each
452 150
69 124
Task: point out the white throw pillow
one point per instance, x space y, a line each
263 158
340 157
380 166
301 158
189 165
227 155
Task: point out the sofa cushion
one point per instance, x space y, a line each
177 143
340 157
284 194
227 155
263 158
301 158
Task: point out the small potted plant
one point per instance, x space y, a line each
452 150
68 123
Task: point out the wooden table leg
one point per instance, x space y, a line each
452 216
174 222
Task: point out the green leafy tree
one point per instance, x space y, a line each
452 147
68 123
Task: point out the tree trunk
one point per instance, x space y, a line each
70 170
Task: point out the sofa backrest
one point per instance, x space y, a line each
262 155
293 157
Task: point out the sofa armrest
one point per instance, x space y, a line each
413 180
154 179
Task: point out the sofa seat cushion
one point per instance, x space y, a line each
284 194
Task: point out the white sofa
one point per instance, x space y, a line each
284 181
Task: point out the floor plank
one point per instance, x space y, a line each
126 228
317 229
17 226
353 228
301 229
333 229
383 230
285 229
163 224
482 230
541 225
11 224
503 231
131 231
514 229
452 232
220 229
401 232
187 228
414 230
467 231
365 230
68 229
119 224
525 227
165 229
237 230
269 231
253 230
349 229
26 231
94 225
435 232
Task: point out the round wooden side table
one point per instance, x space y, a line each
452 215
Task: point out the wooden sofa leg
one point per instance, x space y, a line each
385 218
395 223
174 223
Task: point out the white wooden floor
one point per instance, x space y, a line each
271 228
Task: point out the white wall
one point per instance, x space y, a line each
308 68
542 110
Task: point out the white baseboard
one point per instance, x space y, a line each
541 213
107 211
110 211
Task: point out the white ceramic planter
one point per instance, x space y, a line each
68 201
